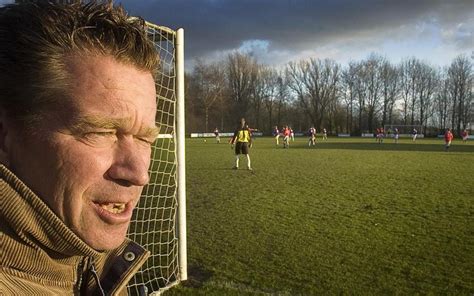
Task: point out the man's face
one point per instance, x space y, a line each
88 159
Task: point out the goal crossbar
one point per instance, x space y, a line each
404 130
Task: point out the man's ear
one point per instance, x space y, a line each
4 138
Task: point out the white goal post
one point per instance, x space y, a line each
159 221
404 130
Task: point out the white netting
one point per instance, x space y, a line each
154 221
403 130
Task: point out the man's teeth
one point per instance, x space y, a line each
115 208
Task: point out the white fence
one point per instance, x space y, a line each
211 135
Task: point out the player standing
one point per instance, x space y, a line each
276 134
312 137
242 140
325 134
448 137
380 135
216 133
396 135
414 134
464 135
292 134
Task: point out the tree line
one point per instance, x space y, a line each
355 98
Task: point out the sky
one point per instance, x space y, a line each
276 32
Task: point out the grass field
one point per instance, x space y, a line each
347 217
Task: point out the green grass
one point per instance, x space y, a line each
347 217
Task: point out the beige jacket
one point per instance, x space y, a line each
39 255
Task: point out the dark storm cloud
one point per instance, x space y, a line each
295 25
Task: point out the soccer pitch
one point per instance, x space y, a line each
348 216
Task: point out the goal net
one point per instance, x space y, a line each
403 130
156 221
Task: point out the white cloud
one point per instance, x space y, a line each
3 2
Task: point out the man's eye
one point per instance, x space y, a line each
100 137
147 141
101 134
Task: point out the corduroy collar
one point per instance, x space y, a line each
37 228
32 219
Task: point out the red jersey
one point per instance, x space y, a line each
286 132
448 136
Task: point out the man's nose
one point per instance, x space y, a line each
130 164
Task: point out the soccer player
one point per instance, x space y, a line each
380 135
276 134
464 135
292 134
216 133
325 134
251 129
286 137
448 137
312 137
396 135
242 140
414 134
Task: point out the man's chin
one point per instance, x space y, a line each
106 246
106 241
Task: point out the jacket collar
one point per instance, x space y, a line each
36 226
35 222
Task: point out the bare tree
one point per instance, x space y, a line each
271 81
390 90
282 97
369 87
360 89
209 82
348 93
316 92
241 73
460 77
442 102
258 92
407 80
426 84
315 84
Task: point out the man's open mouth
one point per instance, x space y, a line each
114 208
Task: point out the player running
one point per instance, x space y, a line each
312 137
325 134
276 135
448 137
286 137
242 140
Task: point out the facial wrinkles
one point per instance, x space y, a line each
116 95
72 177
120 103
67 187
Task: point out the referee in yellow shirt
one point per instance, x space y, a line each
242 140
